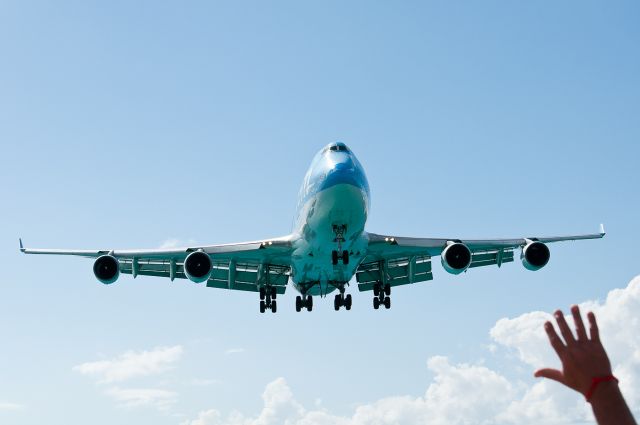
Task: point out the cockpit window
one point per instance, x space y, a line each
339 147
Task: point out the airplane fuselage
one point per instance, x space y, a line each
332 211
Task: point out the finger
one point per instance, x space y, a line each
577 318
553 374
554 339
593 327
564 328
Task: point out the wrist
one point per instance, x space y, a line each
606 392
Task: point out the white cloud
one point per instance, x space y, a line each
6 405
132 364
475 394
143 397
176 243
234 351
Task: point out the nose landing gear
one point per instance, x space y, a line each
339 254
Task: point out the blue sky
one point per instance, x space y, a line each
127 125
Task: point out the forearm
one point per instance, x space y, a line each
609 406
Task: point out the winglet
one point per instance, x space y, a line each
602 232
21 245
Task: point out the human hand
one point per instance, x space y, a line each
583 358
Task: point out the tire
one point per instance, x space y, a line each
309 303
334 257
387 303
376 303
273 292
274 306
262 293
263 307
336 303
298 303
347 302
345 257
376 289
387 289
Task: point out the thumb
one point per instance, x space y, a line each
553 374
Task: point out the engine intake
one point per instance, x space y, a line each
197 266
106 269
456 257
535 255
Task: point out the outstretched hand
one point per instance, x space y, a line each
583 357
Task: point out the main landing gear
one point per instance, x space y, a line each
342 301
381 296
339 254
304 302
268 299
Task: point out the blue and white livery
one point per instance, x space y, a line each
326 249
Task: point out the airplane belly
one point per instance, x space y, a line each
340 205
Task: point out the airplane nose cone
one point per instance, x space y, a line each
343 173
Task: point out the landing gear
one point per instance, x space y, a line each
304 302
268 299
381 296
339 254
341 300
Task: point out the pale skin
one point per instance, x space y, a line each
583 358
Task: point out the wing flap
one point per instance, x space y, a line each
394 271
225 274
489 258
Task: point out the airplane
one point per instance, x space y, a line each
326 249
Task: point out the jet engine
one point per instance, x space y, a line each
456 257
197 266
106 269
535 255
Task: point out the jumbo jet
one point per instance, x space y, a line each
328 246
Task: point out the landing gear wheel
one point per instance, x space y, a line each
337 302
345 257
387 303
387 289
376 303
298 303
334 257
309 303
262 293
376 289
274 306
263 306
273 292
347 302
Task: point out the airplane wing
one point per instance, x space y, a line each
398 260
242 266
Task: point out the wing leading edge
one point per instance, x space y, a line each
397 260
242 266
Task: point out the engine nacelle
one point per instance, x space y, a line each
535 255
106 269
456 258
197 266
